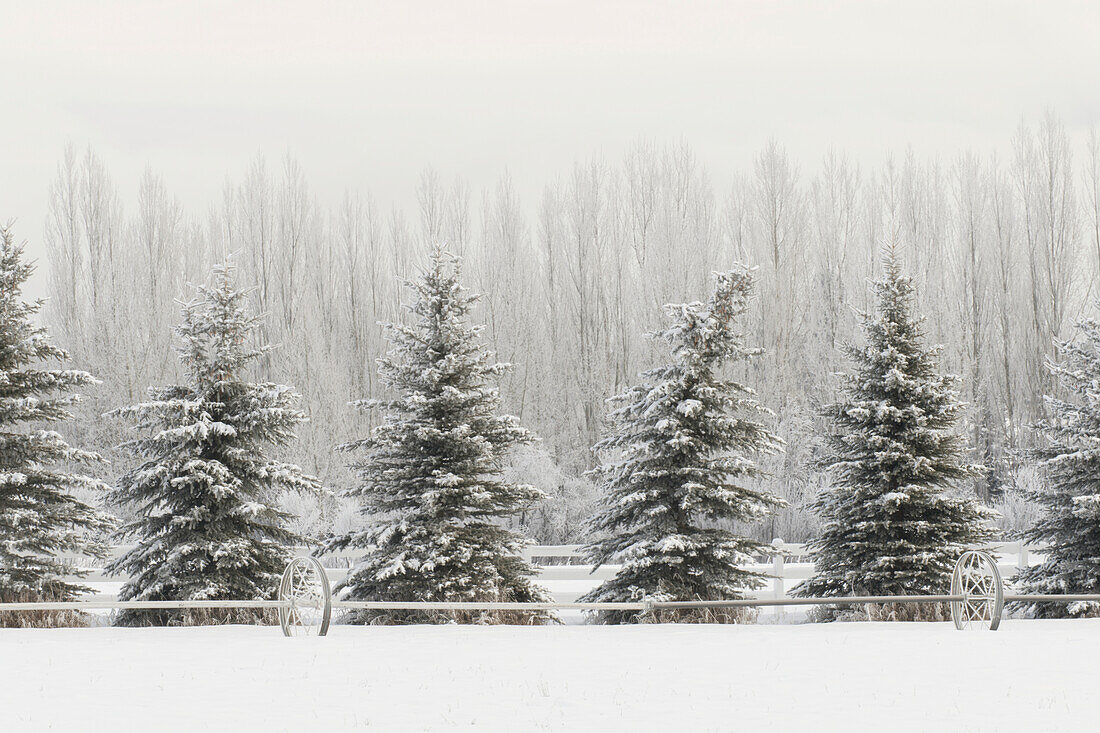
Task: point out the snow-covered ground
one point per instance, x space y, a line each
1030 675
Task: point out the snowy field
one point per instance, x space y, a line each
1029 676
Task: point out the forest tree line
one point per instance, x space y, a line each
1004 249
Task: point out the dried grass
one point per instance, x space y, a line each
198 617
883 612
41 619
736 615
484 618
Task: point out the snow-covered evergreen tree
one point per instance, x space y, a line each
432 490
680 465
39 515
203 497
891 523
1069 462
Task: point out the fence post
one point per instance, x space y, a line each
1022 561
778 563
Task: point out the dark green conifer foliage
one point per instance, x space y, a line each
1069 459
39 515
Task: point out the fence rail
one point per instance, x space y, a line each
102 604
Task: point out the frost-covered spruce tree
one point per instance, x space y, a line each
39 515
203 496
680 466
1069 462
431 485
891 523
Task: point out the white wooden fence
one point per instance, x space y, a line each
787 567
567 578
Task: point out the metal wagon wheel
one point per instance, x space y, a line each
307 598
978 580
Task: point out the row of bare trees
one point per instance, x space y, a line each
1005 249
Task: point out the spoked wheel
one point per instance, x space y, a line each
307 598
978 580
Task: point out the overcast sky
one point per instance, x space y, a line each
367 94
